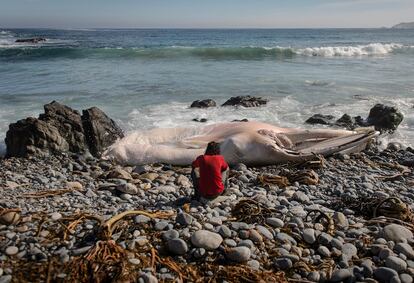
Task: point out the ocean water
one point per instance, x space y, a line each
147 78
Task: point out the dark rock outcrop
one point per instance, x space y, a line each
242 120
68 122
30 40
100 130
200 120
62 129
320 119
346 121
384 118
206 103
245 101
32 136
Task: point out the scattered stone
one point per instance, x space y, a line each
206 240
255 236
314 276
5 279
346 121
340 275
128 188
56 216
149 278
349 250
161 225
324 251
224 231
74 185
275 222
119 173
184 219
9 218
150 176
206 103
406 278
405 249
340 220
170 234
283 263
254 264
320 119
396 263
396 233
134 261
141 219
245 101
384 274
12 250
238 254
177 246
265 232
81 251
309 236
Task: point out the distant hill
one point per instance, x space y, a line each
404 26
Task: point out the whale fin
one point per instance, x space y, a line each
350 143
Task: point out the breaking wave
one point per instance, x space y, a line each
52 49
372 49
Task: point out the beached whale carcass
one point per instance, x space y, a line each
251 143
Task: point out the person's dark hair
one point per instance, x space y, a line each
213 148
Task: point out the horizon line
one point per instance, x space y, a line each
189 28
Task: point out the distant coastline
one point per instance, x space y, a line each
409 25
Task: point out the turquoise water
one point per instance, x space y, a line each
148 78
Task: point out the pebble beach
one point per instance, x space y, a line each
274 224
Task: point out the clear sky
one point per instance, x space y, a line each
204 13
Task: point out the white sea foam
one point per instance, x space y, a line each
351 51
283 112
11 43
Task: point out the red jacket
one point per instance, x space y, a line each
211 166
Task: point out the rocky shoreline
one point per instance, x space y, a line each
68 216
276 224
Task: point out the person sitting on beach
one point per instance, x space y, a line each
210 173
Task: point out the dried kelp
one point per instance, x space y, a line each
371 207
251 211
286 178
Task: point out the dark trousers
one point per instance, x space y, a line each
195 179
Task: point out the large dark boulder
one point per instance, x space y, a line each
384 118
347 122
61 129
206 103
69 124
245 101
320 119
100 130
32 136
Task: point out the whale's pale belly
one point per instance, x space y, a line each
252 143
